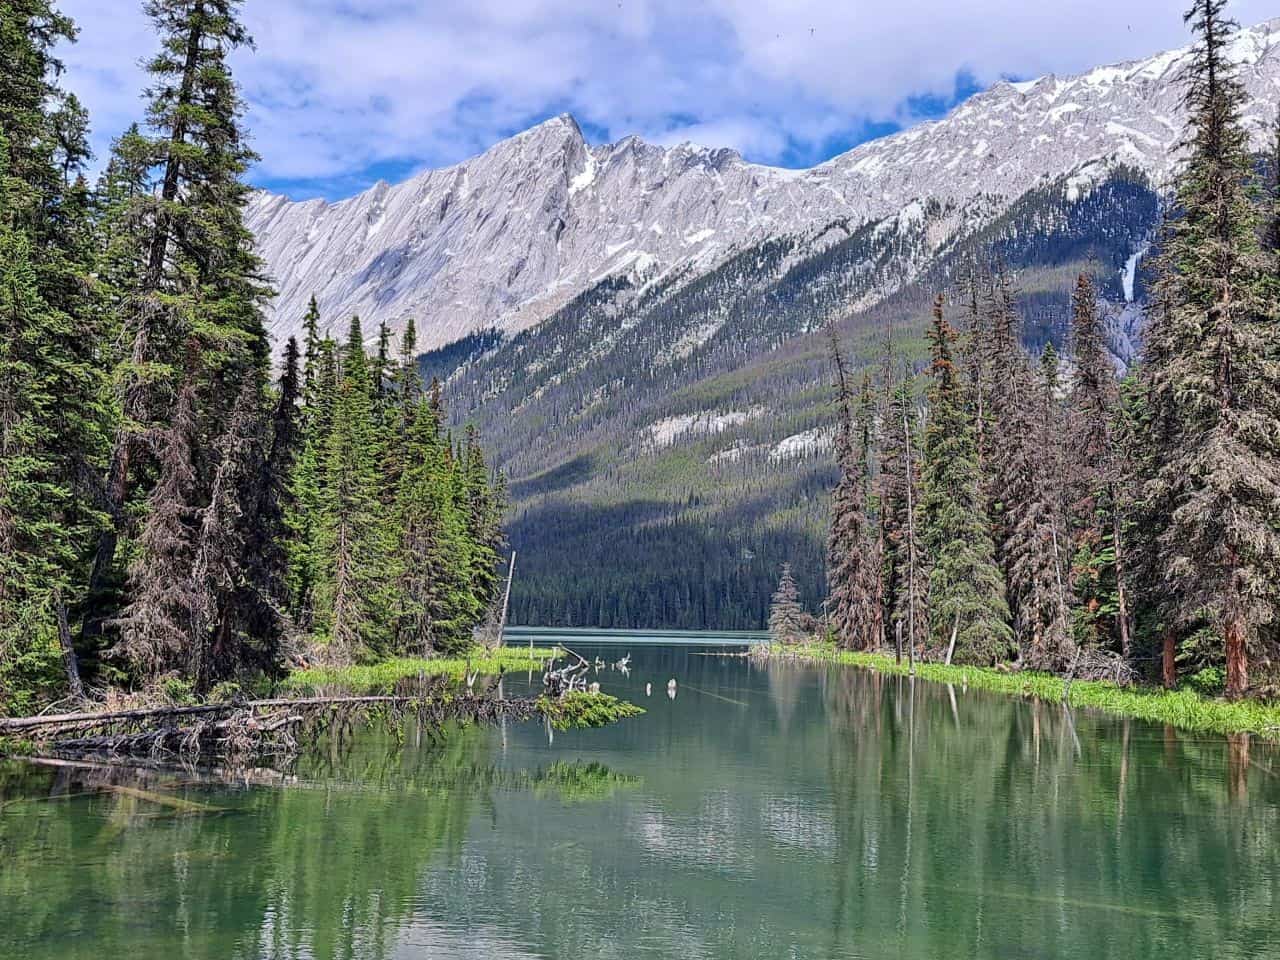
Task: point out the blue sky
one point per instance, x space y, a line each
342 93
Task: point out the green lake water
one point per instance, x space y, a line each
768 811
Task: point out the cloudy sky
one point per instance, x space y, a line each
343 92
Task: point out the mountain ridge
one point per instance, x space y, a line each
504 239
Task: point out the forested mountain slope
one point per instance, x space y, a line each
668 444
637 328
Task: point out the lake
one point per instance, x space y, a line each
771 811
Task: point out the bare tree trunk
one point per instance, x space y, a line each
506 599
1237 658
897 640
1122 599
74 684
951 647
1168 666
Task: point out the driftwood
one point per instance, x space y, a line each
572 676
20 724
239 731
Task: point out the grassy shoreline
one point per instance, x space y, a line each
1179 708
365 678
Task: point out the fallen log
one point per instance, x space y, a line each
239 731
17 724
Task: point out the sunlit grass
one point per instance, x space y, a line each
369 678
1180 708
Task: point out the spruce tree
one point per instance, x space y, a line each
407 378
1026 515
1096 480
436 603
156 627
850 603
785 613
310 352
1212 378
192 318
905 581
966 585
351 606
52 418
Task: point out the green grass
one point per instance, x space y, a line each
383 676
1180 708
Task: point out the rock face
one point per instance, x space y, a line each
506 238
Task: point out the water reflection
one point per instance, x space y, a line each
997 823
765 811
321 862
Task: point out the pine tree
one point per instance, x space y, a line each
194 311
849 565
1212 378
155 628
352 610
966 586
52 418
1097 497
903 562
785 613
1027 521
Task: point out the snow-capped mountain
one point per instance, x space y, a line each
506 238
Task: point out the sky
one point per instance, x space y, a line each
342 93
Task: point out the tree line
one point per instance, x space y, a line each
1045 510
171 507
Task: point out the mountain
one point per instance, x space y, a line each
505 239
636 329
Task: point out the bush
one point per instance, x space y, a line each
180 692
1209 682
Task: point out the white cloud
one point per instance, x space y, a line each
338 86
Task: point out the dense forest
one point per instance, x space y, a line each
174 509
1040 509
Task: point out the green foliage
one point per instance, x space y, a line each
1212 373
394 535
159 498
1209 682
579 710
179 690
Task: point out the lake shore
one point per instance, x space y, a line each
364 678
1184 709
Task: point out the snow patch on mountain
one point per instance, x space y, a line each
508 237
665 432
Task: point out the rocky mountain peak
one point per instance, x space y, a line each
507 237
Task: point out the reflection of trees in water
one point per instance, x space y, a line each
995 819
324 865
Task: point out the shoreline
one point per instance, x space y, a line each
383 675
1184 709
